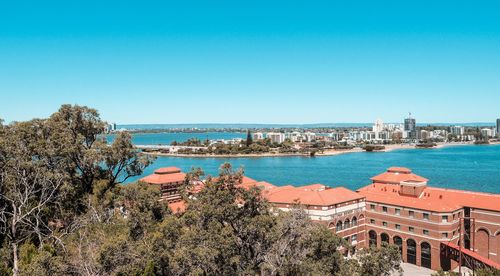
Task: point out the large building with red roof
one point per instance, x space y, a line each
427 223
340 209
168 180
398 207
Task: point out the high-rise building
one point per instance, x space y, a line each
378 126
457 130
486 133
498 126
411 127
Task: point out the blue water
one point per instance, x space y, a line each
474 168
167 138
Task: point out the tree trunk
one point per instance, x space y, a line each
15 269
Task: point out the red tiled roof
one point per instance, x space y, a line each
168 170
399 170
431 199
479 200
263 185
311 195
397 175
314 187
177 206
159 179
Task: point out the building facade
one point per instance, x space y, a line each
498 126
421 220
410 127
168 180
398 207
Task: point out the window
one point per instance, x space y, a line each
384 224
372 221
398 226
444 235
444 218
453 233
398 211
372 207
339 226
426 232
384 209
426 216
347 224
354 238
411 229
411 214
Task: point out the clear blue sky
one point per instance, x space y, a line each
252 61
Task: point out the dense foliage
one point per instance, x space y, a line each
63 212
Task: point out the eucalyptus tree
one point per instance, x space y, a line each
49 171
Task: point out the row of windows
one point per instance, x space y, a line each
398 227
411 229
346 224
411 214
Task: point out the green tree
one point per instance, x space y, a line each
249 140
380 261
123 160
49 170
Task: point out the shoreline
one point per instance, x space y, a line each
388 148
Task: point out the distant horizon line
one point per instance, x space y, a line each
253 125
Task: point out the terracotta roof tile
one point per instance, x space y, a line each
396 177
167 170
431 199
263 185
177 206
159 179
311 196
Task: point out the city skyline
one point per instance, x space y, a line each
260 63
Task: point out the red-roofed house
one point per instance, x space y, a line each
168 180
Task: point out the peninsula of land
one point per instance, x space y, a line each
326 152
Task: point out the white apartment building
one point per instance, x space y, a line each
276 137
457 130
257 136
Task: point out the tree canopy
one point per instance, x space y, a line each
64 211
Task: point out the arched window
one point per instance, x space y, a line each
482 242
425 255
398 241
411 251
354 222
339 226
347 224
373 238
384 239
331 225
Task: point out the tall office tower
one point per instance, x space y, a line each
498 127
410 127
